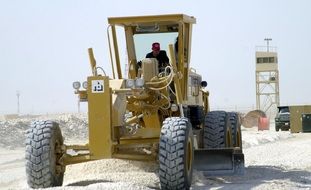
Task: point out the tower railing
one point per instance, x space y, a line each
266 48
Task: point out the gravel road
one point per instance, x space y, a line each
274 160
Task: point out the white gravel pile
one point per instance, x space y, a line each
101 184
127 173
12 131
252 137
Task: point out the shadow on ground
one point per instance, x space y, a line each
87 182
256 176
91 182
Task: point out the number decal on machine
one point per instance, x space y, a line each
97 86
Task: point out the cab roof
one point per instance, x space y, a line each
159 19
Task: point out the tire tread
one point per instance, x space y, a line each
171 156
214 129
38 143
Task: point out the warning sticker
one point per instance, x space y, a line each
97 86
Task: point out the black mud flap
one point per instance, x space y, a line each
218 162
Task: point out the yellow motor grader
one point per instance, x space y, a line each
151 114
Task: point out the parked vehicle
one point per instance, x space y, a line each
282 119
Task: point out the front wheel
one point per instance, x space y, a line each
176 154
43 151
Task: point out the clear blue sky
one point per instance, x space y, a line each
43 47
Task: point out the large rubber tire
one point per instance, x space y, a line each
235 125
42 154
217 132
238 137
176 153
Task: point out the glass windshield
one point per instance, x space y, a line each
143 43
284 110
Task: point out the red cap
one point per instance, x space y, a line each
156 46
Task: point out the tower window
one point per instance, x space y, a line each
271 60
260 60
266 59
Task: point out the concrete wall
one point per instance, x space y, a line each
295 117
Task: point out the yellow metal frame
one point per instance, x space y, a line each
109 135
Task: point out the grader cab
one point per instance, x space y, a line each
150 114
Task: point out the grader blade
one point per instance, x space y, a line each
218 162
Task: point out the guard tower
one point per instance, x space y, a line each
267 79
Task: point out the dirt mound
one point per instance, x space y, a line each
132 173
12 131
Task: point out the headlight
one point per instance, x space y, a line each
174 107
139 82
84 85
130 83
76 85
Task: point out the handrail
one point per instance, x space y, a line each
266 48
110 52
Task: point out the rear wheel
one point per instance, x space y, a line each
176 154
43 151
233 119
217 132
238 137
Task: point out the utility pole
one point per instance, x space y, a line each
78 105
18 95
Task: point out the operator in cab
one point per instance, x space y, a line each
160 55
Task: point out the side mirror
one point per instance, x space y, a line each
203 84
